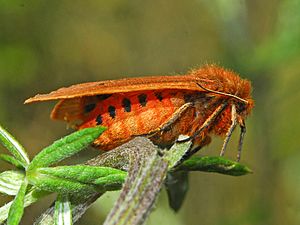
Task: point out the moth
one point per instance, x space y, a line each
204 102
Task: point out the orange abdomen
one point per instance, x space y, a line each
131 114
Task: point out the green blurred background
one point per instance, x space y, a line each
49 44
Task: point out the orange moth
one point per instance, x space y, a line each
206 101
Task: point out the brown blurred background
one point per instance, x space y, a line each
49 44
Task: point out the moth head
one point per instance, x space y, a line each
243 106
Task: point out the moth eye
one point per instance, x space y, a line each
241 106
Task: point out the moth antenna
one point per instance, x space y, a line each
230 130
222 93
242 135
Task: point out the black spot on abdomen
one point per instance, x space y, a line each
126 104
159 96
99 120
112 111
142 99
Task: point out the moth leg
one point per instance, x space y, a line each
207 122
230 130
198 143
176 115
242 135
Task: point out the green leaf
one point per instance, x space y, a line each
86 174
63 212
111 182
214 164
10 182
14 147
74 179
65 147
32 196
59 185
11 160
17 208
